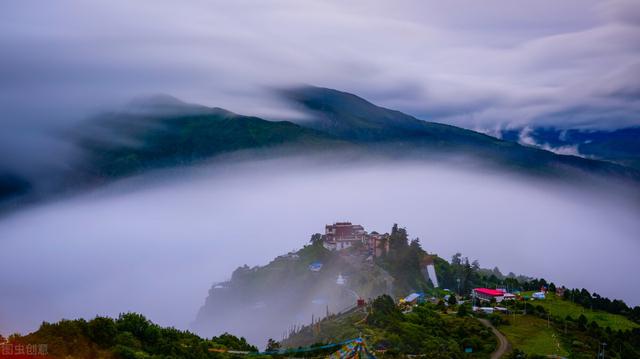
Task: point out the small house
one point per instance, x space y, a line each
487 310
315 266
486 294
538 295
413 298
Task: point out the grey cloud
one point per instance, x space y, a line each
525 138
625 11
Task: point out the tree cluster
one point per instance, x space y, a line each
131 335
597 302
426 331
403 261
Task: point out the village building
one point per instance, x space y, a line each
315 266
413 298
486 310
342 235
486 294
538 295
378 244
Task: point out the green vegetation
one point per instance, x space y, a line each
403 262
555 325
594 301
461 276
332 329
356 120
275 295
398 273
531 335
156 141
562 308
170 133
286 292
580 337
131 335
425 330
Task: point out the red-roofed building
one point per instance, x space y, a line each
488 294
341 235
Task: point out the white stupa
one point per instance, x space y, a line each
340 280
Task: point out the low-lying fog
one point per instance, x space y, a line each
157 248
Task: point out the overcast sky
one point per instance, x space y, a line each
474 63
483 65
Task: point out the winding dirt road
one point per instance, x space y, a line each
503 343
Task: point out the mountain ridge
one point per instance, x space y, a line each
163 131
620 146
342 114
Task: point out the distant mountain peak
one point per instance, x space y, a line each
349 116
165 104
158 99
325 96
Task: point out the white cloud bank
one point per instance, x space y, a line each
157 248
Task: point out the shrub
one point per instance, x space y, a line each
102 331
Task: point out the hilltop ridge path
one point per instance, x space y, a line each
503 343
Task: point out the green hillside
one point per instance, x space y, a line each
352 118
562 308
424 331
122 144
166 132
281 298
533 336
540 333
313 297
287 292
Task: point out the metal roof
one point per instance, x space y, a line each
411 297
491 292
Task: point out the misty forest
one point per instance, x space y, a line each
311 179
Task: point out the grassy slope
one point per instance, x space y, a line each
332 330
410 331
531 334
561 308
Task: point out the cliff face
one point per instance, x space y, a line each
267 302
